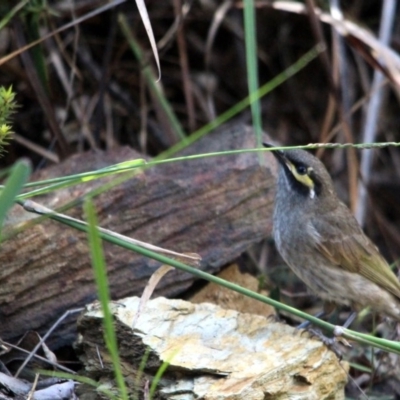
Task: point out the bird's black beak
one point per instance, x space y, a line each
278 154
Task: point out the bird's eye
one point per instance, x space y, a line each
301 170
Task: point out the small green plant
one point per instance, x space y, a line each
7 108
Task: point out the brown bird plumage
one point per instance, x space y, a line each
322 242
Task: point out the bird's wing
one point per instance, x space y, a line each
353 251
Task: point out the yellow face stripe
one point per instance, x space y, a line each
304 179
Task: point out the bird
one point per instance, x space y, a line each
322 242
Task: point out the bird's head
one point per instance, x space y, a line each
302 174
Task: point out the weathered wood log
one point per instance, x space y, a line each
216 207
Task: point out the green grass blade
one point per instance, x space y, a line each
252 67
11 14
71 180
18 176
301 63
151 79
80 379
100 274
387 345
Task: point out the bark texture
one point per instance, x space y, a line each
215 206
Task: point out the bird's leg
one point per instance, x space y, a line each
306 324
338 331
331 343
350 320
329 307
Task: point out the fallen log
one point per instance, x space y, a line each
216 207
